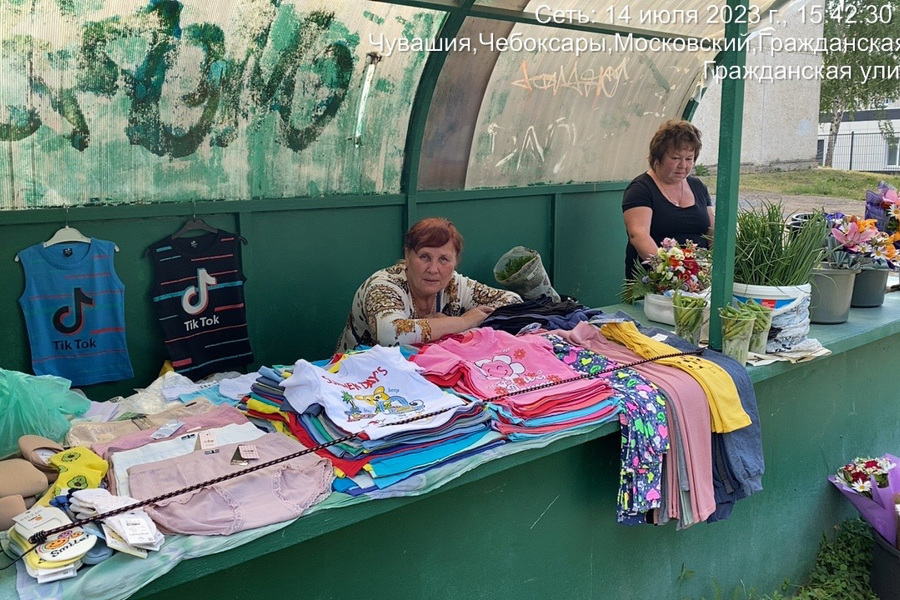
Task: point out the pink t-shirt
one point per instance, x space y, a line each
494 363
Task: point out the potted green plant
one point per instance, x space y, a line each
774 259
775 255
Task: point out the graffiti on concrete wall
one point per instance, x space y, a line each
310 73
166 100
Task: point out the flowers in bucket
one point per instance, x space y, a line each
854 242
675 267
870 484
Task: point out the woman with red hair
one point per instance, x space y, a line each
422 297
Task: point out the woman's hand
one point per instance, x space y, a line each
474 317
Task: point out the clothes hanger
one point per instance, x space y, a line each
198 224
67 235
194 224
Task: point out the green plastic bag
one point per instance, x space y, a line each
35 405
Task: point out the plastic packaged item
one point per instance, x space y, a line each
35 405
522 271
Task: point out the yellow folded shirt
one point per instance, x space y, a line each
726 412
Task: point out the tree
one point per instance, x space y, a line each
870 27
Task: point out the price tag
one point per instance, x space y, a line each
115 542
248 452
238 460
137 531
207 440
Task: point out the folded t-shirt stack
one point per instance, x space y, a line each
399 422
542 312
502 369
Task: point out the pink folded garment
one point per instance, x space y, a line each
87 434
271 495
218 417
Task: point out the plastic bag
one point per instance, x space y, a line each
875 209
35 405
790 326
522 271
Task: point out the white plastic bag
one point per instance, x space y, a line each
529 279
790 326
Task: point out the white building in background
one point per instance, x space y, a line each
860 145
781 117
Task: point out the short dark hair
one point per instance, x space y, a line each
677 134
433 232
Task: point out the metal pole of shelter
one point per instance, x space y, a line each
728 175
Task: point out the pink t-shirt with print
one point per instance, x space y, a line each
495 363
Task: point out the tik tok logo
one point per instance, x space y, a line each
80 301
196 297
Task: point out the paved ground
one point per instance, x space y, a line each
795 204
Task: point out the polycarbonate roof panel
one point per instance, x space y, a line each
134 101
670 17
551 117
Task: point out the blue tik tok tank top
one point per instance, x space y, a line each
74 308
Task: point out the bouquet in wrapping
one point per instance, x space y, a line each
854 242
870 485
675 267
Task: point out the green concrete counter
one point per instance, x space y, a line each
541 524
864 326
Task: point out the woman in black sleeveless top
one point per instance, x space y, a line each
664 201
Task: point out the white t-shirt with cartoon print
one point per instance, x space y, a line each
371 391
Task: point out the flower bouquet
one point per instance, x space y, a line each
853 242
675 267
870 485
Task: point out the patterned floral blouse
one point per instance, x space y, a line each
383 311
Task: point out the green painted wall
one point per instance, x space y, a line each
546 529
303 264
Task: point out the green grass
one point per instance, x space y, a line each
810 182
841 571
